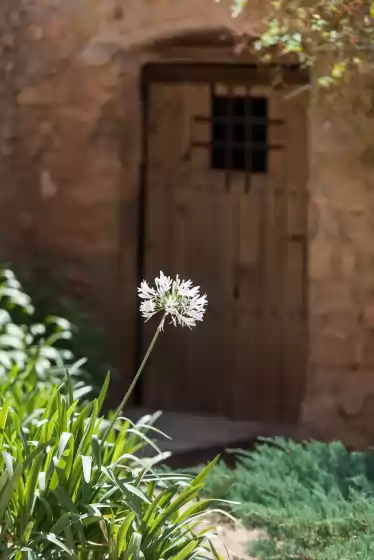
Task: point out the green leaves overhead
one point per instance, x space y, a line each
339 31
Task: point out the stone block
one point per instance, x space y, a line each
368 350
343 322
320 259
326 296
335 349
29 96
368 315
99 53
348 261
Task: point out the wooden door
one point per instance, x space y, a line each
237 229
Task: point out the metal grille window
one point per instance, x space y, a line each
239 133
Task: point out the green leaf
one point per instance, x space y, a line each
96 449
186 551
65 499
9 462
61 524
53 539
64 439
122 533
28 531
205 472
8 490
8 341
87 467
103 392
134 551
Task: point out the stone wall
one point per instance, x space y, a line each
78 109
71 166
340 395
70 117
14 225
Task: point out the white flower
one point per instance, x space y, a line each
177 298
163 284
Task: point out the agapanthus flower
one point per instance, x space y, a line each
177 299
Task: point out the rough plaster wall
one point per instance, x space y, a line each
15 226
78 136
340 397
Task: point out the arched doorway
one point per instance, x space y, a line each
225 204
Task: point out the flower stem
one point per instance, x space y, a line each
134 381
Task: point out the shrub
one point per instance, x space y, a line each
33 355
72 483
71 488
316 499
47 286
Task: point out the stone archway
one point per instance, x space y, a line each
263 391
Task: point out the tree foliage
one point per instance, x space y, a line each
340 31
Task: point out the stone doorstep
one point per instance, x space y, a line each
191 433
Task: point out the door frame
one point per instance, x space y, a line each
171 70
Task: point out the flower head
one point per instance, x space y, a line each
177 298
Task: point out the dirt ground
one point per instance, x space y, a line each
234 538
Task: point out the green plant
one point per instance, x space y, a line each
72 483
47 287
316 501
33 355
71 486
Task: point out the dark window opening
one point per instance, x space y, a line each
239 135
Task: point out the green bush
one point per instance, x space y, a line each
72 488
50 297
33 355
316 499
74 483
